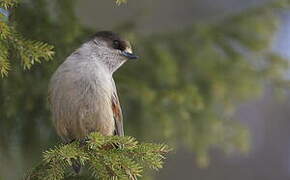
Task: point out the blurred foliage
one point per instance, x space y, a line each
184 90
190 82
119 2
104 160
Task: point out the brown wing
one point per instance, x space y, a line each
118 117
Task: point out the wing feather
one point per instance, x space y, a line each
118 117
117 111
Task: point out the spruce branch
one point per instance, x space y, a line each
119 2
4 30
29 51
107 157
4 63
6 4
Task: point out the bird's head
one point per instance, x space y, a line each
111 49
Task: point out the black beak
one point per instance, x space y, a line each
129 55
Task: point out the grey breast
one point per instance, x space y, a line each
80 98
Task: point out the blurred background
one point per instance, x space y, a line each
212 82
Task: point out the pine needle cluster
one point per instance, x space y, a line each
13 45
105 157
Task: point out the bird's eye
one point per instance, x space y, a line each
117 44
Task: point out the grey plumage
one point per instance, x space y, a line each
82 93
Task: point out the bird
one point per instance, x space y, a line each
82 93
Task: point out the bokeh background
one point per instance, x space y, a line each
212 81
